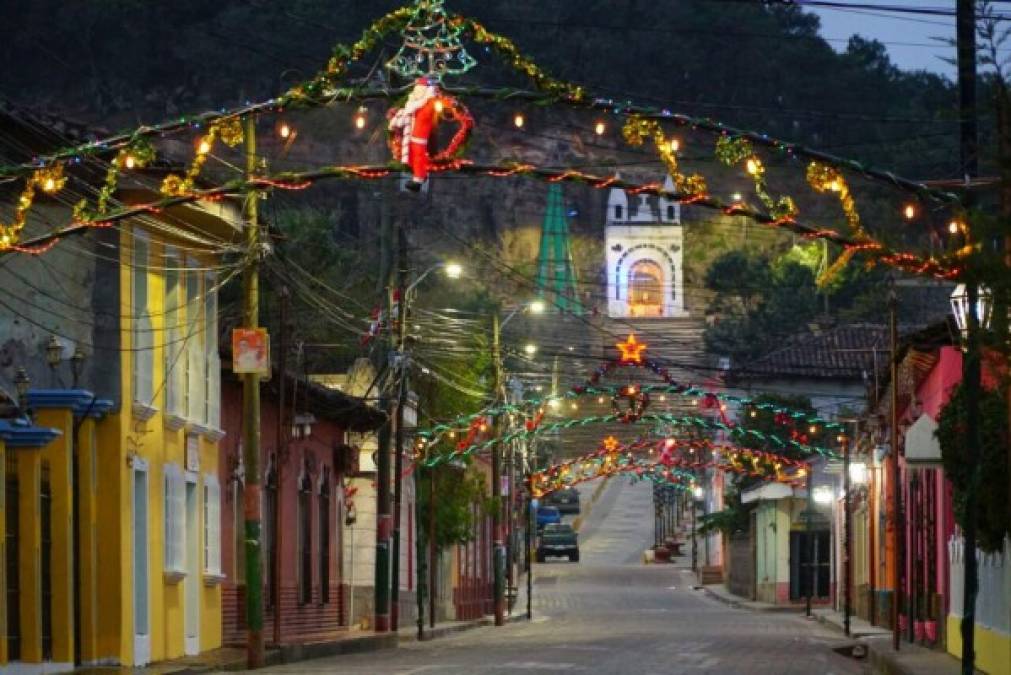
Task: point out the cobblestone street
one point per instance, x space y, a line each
611 614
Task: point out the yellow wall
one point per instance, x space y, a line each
122 436
993 649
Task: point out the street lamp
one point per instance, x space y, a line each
21 384
972 306
960 307
453 271
823 494
530 349
77 366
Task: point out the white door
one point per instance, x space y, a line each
191 601
141 572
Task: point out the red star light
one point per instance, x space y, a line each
610 443
631 350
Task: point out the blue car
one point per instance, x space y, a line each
547 515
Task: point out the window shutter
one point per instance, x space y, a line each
212 525
175 510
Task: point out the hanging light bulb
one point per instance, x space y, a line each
360 118
909 211
49 185
954 227
129 162
440 105
675 145
203 148
753 166
600 128
519 120
284 131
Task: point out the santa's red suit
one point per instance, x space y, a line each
416 122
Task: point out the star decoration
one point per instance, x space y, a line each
610 443
631 350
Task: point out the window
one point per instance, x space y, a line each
143 344
175 366
617 212
195 367
645 289
324 536
212 360
212 526
304 540
670 212
175 521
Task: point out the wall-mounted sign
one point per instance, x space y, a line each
250 351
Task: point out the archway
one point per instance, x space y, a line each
646 289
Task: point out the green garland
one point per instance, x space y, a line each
990 482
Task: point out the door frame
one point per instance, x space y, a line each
141 642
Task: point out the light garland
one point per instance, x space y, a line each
228 130
47 179
637 130
732 150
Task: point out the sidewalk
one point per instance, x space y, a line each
719 592
351 642
909 660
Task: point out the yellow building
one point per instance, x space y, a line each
112 502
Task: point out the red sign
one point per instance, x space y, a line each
250 351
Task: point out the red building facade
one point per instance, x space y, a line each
301 508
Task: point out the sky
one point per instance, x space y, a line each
909 38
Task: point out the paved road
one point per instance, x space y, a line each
614 616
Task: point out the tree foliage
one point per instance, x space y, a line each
990 483
461 498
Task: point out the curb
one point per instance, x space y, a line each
747 604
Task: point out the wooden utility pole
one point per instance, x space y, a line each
251 419
498 543
282 452
398 463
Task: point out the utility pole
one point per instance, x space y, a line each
419 547
893 465
808 515
498 550
384 517
282 453
398 464
251 418
969 155
847 537
528 534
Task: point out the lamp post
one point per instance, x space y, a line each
453 271
21 384
698 493
498 535
971 305
847 534
54 354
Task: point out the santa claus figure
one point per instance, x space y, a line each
415 125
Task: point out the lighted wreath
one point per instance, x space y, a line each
630 404
412 129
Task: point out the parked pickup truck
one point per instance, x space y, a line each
558 540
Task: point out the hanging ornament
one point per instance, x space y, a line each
432 44
630 403
412 129
631 350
